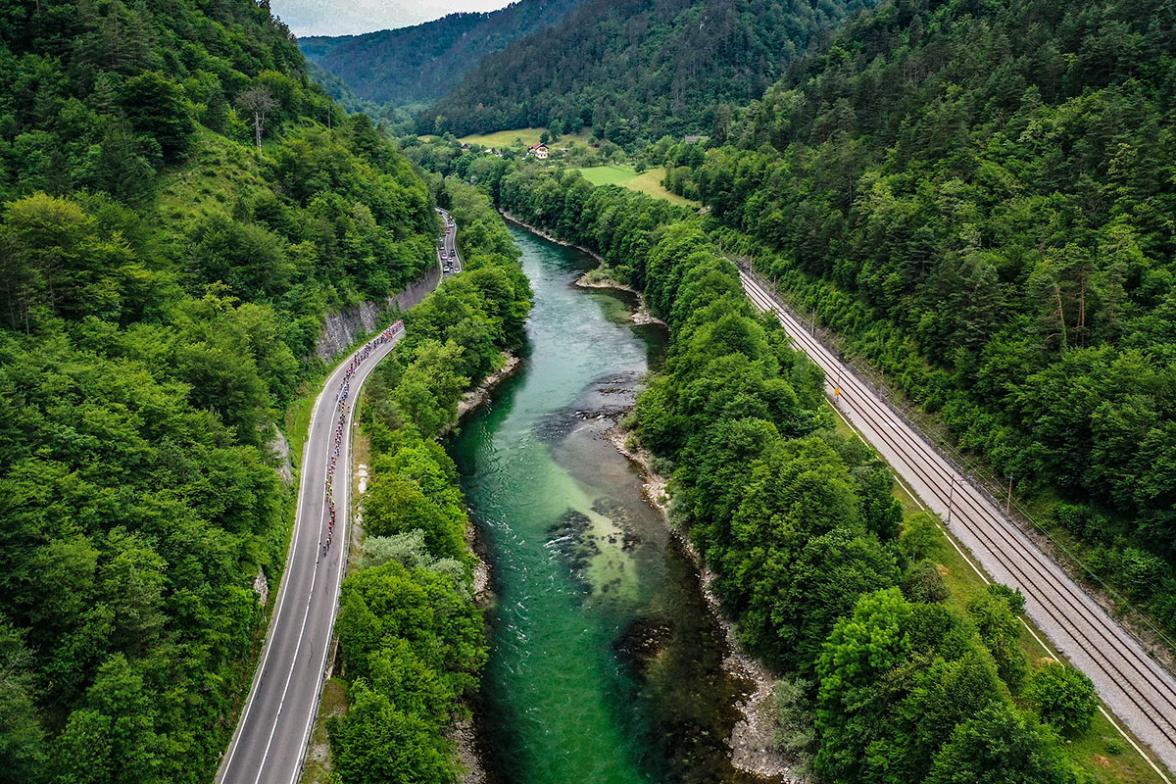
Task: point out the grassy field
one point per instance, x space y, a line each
516 137
1101 753
648 182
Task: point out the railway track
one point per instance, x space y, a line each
1134 685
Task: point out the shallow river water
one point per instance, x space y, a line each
606 666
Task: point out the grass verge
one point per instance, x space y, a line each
1102 753
317 769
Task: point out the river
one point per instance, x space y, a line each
606 664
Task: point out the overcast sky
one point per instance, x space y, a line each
342 17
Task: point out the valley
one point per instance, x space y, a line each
666 391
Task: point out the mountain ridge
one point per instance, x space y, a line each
414 64
637 68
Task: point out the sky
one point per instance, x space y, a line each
344 17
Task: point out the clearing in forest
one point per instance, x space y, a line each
647 182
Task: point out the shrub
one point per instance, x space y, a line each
923 583
920 536
1064 698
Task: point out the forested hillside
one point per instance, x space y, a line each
981 198
421 63
162 277
638 68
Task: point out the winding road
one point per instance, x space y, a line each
447 247
269 744
1137 689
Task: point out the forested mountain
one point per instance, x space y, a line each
421 63
980 196
161 279
637 67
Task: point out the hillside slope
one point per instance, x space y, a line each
420 63
161 278
637 67
981 199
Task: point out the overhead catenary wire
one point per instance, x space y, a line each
1138 679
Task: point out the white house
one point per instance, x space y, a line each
539 150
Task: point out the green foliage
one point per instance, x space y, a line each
995 615
160 281
392 602
635 70
249 259
22 750
801 525
426 395
999 746
795 721
920 535
976 199
394 505
377 741
923 584
411 65
1064 698
155 108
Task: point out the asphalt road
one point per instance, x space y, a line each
449 244
271 737
1137 689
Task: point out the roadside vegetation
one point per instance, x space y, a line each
412 640
163 281
1100 752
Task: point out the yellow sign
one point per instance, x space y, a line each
836 391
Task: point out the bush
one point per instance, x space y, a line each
923 583
1064 698
794 719
920 536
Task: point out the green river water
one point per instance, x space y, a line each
606 664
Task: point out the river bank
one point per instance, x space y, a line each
598 279
550 237
593 279
753 749
478 396
606 663
464 732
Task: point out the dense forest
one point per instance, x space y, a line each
981 200
412 65
637 69
886 680
411 638
177 220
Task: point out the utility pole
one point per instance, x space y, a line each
1009 501
951 498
